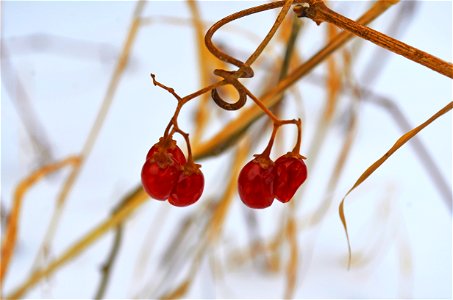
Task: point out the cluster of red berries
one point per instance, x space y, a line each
261 180
166 174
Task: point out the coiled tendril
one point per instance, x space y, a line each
244 71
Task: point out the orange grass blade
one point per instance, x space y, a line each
222 209
95 130
291 271
215 226
180 291
133 201
9 241
398 144
204 59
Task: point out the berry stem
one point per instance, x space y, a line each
181 101
231 77
296 149
202 91
186 138
267 151
260 104
276 125
168 89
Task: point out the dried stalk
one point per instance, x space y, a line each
132 202
9 241
319 12
93 135
370 170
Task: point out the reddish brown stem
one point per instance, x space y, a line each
319 12
296 149
168 89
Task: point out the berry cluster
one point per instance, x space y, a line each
166 174
261 180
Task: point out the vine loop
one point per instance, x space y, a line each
230 77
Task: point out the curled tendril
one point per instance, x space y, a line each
229 77
244 71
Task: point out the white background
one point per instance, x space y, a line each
398 206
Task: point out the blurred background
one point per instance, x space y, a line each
57 63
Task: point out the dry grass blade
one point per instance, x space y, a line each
9 241
34 128
202 114
132 202
180 291
352 124
183 288
333 80
221 211
398 144
215 225
107 267
291 271
95 130
381 57
421 150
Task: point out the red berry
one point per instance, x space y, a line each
290 172
162 168
168 145
256 183
159 181
189 187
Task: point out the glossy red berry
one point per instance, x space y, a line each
290 173
162 168
158 181
189 187
256 183
168 145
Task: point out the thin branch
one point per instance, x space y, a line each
319 12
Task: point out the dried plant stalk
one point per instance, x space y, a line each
90 141
9 241
319 12
370 170
133 202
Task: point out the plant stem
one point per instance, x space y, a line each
236 127
319 12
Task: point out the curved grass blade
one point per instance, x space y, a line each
370 170
9 240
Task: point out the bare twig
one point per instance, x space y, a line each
319 12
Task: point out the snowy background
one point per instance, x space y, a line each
63 53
